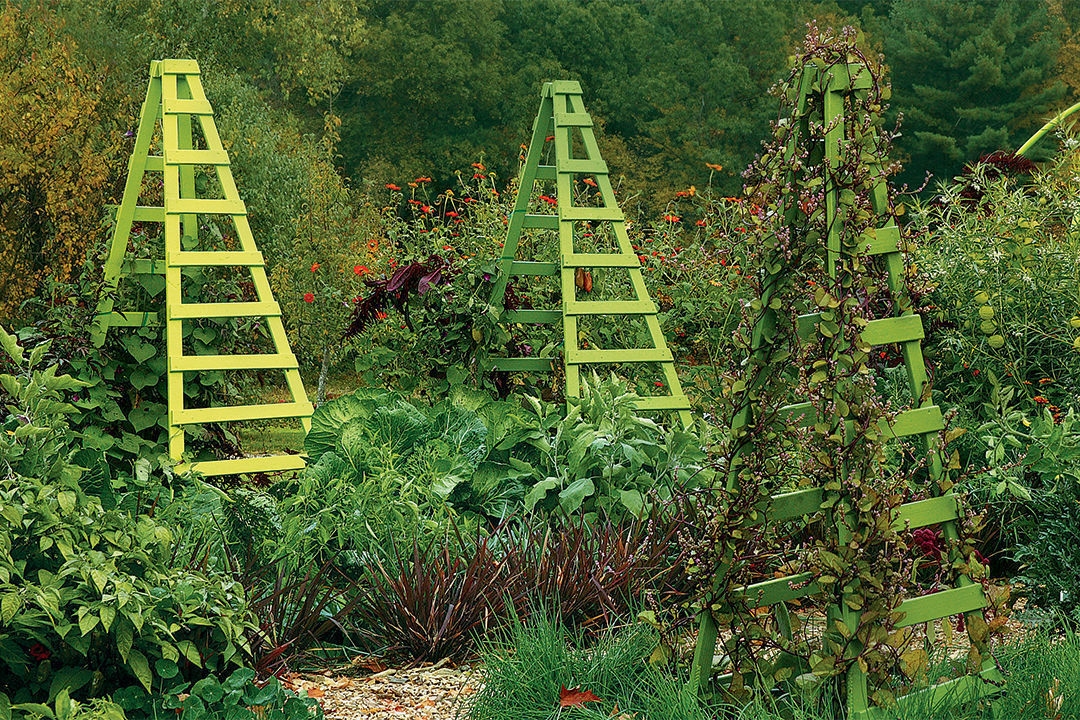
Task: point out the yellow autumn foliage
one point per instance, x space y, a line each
58 147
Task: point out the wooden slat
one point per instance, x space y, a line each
196 157
927 512
522 364
186 107
118 318
188 311
614 214
148 213
177 67
238 466
566 87
631 355
941 604
237 413
601 260
573 120
840 78
155 163
771 592
804 413
914 422
201 206
541 222
532 267
904 328
883 240
583 167
533 316
951 693
545 172
663 402
216 258
204 363
610 307
799 503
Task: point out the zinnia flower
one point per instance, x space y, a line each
309 297
314 267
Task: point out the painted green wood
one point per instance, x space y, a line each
541 222
208 363
601 260
526 267
771 592
923 421
191 311
267 464
563 120
175 99
533 316
211 258
913 515
619 355
519 364
610 307
941 604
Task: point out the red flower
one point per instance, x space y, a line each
682 193
671 218
392 186
700 223
477 176
549 138
359 269
659 384
426 209
39 652
309 297
423 179
451 214
446 247
479 166
415 202
314 267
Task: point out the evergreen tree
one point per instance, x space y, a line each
970 77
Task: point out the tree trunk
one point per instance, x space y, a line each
320 394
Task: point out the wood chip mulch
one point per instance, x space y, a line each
436 691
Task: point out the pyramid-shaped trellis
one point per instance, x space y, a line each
923 422
562 120
175 99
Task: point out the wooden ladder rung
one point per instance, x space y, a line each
238 466
207 206
540 222
931 511
533 316
663 402
601 260
186 107
216 258
533 267
527 364
941 604
237 413
196 157
583 166
620 355
573 120
610 307
256 361
189 311
771 592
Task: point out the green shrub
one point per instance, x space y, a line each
90 599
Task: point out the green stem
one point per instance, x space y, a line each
1046 128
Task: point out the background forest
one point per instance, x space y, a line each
327 101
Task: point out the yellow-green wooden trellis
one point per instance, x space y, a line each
924 421
175 99
562 119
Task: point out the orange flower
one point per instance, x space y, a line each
314 267
671 218
1040 399
714 166
426 209
359 269
480 166
423 179
392 186
589 181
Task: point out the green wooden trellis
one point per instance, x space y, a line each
923 422
562 119
175 99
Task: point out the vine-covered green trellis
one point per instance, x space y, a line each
175 100
837 247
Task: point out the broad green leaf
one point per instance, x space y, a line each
140 667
